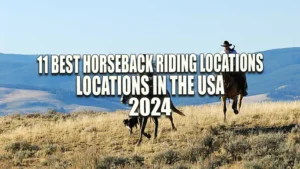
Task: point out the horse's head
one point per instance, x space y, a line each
226 77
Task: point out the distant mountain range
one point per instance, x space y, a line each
22 90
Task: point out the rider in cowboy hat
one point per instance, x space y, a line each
227 48
237 75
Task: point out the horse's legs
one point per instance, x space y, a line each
224 106
140 121
234 106
156 126
240 101
142 129
172 123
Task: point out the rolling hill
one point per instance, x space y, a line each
23 90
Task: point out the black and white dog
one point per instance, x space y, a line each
130 123
142 121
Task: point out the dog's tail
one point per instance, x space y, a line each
173 108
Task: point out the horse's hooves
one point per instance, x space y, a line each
174 129
148 136
236 112
138 143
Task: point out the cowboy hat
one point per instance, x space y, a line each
226 43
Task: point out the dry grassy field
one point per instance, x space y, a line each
263 135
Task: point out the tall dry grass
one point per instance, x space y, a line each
99 140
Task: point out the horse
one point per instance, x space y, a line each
233 84
142 120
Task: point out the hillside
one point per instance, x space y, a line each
282 67
263 135
20 100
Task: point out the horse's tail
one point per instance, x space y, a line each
173 108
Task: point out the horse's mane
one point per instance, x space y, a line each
228 77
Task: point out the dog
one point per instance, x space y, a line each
142 121
133 121
130 123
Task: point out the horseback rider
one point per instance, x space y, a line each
239 76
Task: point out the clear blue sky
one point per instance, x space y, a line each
156 26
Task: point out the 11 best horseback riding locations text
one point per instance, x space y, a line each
149 75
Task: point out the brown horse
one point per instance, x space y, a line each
233 90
